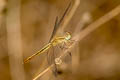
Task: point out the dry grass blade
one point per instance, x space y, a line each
87 31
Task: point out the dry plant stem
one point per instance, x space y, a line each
69 16
42 73
14 40
87 31
92 27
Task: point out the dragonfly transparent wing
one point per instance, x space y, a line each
64 14
51 56
55 29
57 23
51 59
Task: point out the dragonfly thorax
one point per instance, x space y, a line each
59 40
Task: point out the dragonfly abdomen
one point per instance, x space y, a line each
45 48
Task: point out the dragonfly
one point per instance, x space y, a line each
54 41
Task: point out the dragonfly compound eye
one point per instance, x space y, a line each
68 36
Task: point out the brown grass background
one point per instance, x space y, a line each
95 57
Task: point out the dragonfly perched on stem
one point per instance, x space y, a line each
54 41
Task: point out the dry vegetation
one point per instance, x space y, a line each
26 26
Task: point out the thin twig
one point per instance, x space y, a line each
87 31
46 70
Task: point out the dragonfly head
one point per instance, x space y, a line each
67 36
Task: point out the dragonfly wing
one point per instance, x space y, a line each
51 56
64 14
51 60
55 28
57 23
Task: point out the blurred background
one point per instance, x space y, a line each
26 27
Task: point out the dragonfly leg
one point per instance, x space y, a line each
64 46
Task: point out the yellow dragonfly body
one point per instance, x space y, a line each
54 42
